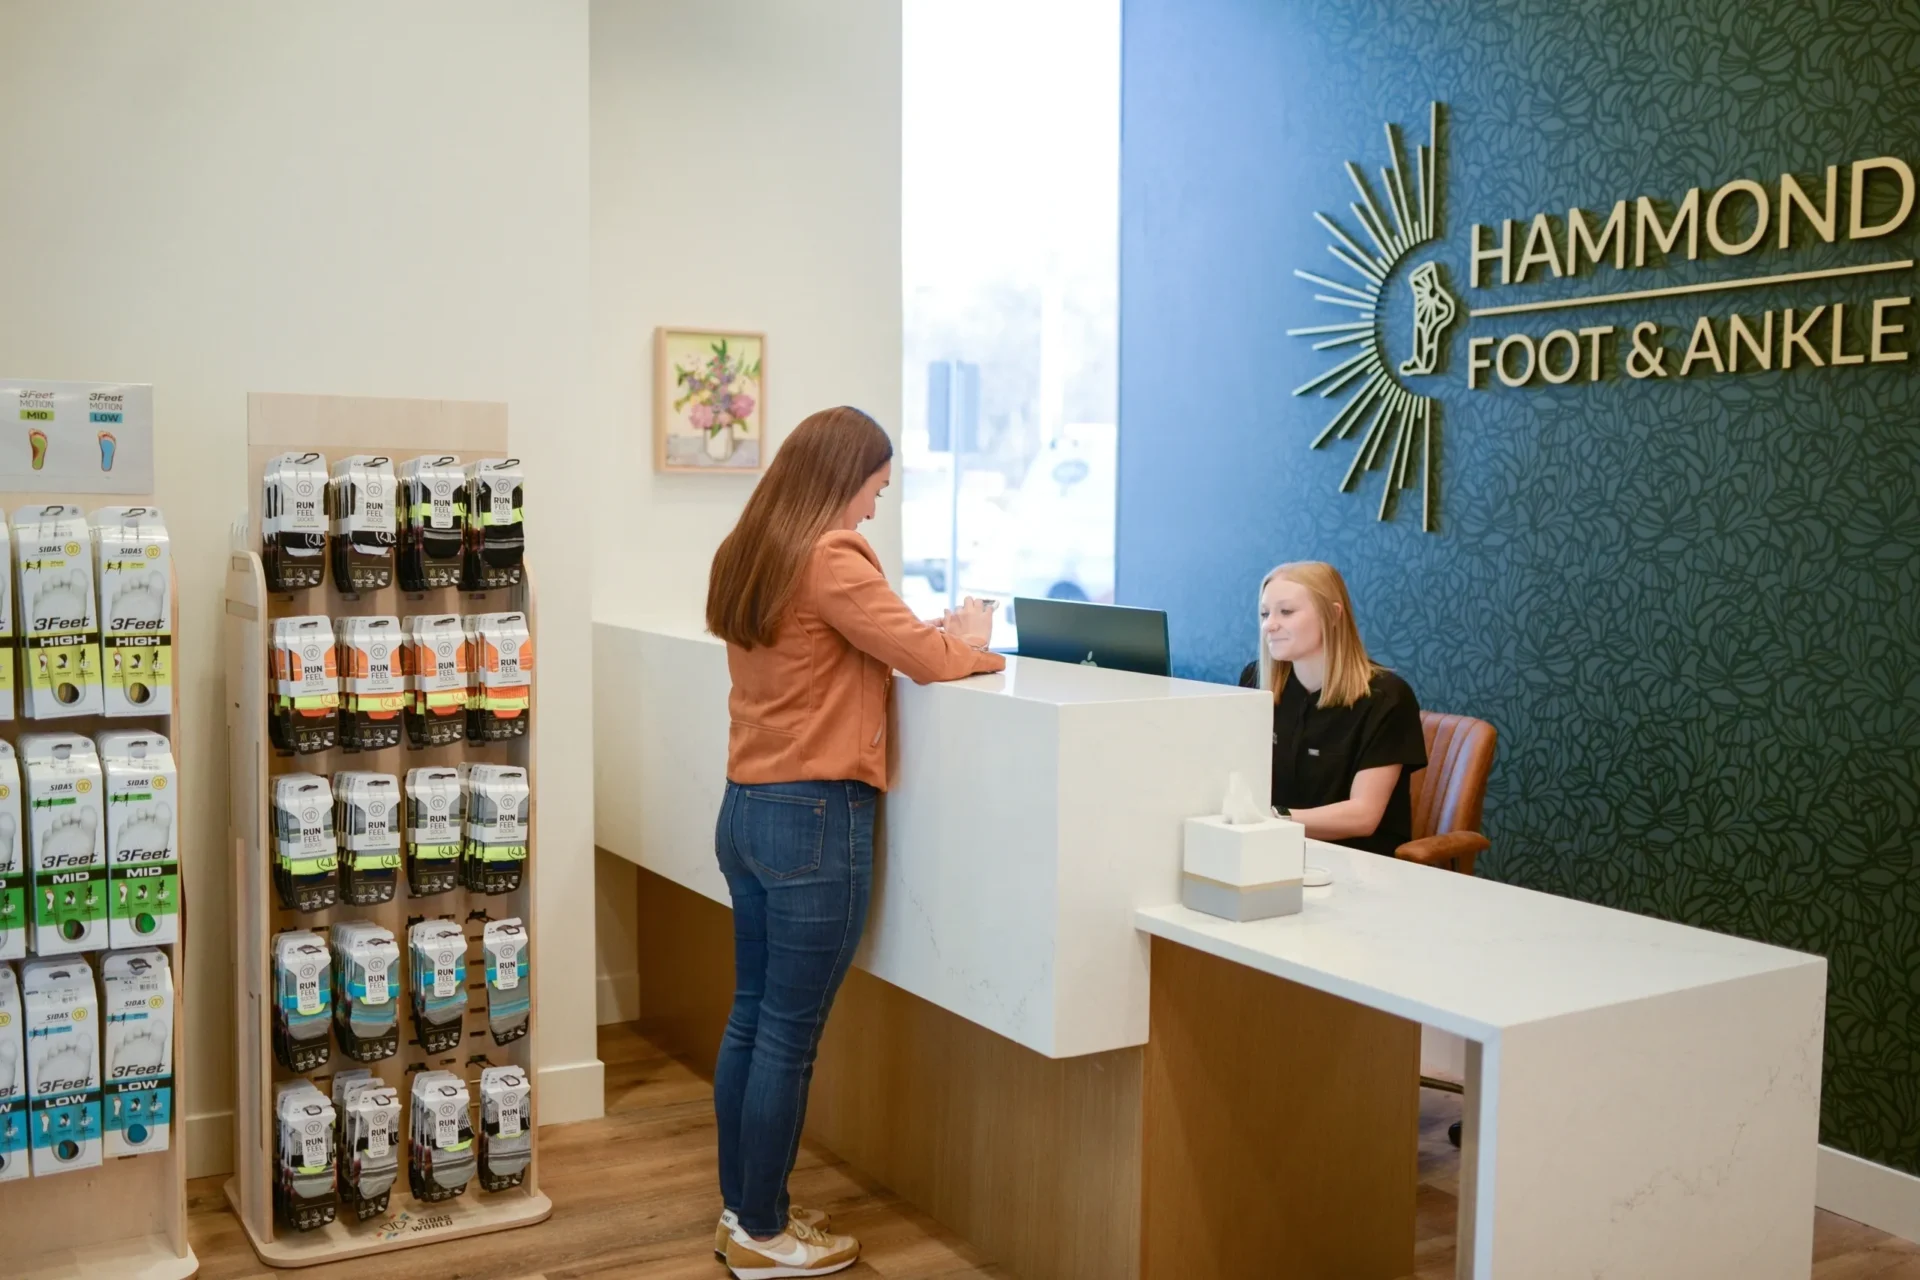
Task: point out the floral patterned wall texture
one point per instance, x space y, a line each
1690 606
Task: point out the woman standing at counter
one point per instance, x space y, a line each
813 636
1346 732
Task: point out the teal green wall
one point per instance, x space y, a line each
1691 608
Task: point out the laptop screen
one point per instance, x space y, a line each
1095 635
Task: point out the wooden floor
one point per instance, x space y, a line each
633 1196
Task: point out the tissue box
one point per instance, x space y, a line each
1243 873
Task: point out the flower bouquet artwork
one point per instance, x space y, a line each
710 400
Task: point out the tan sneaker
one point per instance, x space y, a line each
800 1250
815 1218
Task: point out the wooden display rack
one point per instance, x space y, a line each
126 1220
399 429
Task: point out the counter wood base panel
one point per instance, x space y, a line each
1034 1161
1266 1130
1281 1129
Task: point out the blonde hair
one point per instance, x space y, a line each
1349 671
821 465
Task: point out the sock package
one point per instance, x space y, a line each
293 522
437 958
500 680
373 685
437 658
497 814
366 991
306 685
303 1185
367 818
495 540
436 832
361 496
440 1147
306 856
509 995
367 1141
302 1000
506 1127
433 507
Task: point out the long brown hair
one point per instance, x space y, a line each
1349 671
818 470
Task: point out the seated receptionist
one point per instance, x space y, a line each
1346 733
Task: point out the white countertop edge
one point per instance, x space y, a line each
1170 922
1194 929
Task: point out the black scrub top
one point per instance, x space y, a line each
1318 750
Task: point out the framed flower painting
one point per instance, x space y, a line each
710 392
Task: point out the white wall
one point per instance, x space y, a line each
221 196
745 174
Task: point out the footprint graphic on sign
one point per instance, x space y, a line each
72 1060
153 829
63 595
69 837
144 1048
139 597
38 440
107 446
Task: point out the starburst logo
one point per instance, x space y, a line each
1383 409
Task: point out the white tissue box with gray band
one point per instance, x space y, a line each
1243 864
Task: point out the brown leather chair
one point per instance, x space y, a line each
1448 793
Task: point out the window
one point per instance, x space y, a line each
1010 207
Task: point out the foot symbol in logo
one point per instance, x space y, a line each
1433 310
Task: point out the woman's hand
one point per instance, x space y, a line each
972 622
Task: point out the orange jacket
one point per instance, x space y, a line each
812 706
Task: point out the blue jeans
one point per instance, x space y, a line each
798 857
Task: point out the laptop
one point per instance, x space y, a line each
1093 635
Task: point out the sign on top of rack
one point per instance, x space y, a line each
75 437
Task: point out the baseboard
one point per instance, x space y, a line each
1885 1199
209 1143
617 998
571 1091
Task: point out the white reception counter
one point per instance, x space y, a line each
1642 1097
1033 814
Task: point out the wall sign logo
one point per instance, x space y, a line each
1383 402
1740 217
